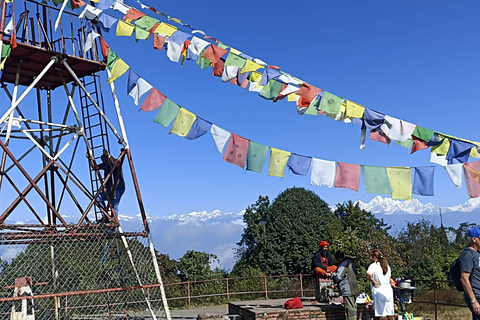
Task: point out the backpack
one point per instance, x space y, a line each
456 273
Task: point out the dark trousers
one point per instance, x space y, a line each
467 300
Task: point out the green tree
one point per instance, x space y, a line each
195 265
282 237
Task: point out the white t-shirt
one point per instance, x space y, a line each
375 269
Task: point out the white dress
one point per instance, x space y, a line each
383 295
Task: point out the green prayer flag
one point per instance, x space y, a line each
407 143
330 103
141 34
6 49
57 1
203 63
423 133
313 107
256 156
111 58
235 60
167 113
146 22
271 90
222 46
376 180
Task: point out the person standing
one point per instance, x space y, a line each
379 275
470 267
347 284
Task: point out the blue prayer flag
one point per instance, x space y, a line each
269 74
372 119
423 181
459 151
179 37
198 129
88 27
132 80
299 164
105 4
435 140
106 21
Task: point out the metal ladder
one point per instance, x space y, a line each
95 127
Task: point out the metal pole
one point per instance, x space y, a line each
159 277
117 108
188 291
102 114
301 285
130 257
30 87
228 292
137 190
266 289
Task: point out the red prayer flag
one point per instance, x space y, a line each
133 14
218 68
214 53
159 41
153 9
77 4
379 136
472 178
154 100
208 37
152 29
104 46
274 67
13 39
280 96
418 144
307 93
347 176
237 149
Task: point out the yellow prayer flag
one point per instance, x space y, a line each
235 51
166 29
119 68
2 65
442 148
97 1
8 1
278 162
354 110
255 76
176 20
183 123
124 28
292 97
474 152
401 182
250 66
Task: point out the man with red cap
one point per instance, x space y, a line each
323 262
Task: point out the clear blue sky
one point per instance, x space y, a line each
414 60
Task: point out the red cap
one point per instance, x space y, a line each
324 243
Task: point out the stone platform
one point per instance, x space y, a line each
312 310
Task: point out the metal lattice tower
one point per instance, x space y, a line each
70 257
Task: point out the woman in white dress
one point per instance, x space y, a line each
379 275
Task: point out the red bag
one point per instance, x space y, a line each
294 303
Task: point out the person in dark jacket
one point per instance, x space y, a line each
346 280
323 262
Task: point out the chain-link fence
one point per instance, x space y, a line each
95 273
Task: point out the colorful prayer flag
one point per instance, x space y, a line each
455 173
256 156
271 90
307 93
159 41
407 143
154 100
166 29
250 66
372 119
111 58
119 68
443 147
423 181
141 34
418 144
323 173
236 152
198 129
354 110
299 164
146 22
124 29
220 137
235 60
423 133
347 176
330 103
214 53
133 14
278 162
397 129
376 180
167 113
174 51
269 74
183 122
459 151
472 178
401 182
379 135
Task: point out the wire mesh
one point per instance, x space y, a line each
97 274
